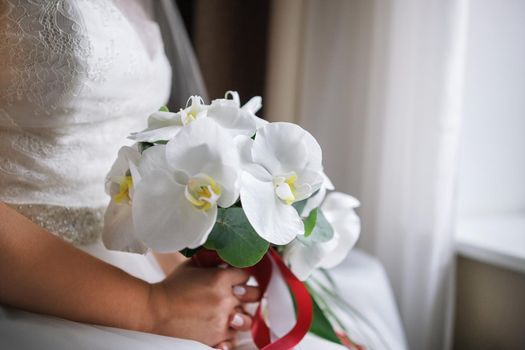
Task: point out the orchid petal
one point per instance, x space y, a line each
308 182
121 164
153 158
253 105
316 200
164 219
235 120
162 119
135 177
119 232
259 122
327 182
337 201
229 179
244 146
234 95
305 256
126 155
284 192
285 147
303 259
338 209
199 146
161 134
194 101
273 220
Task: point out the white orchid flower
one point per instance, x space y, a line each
119 232
316 200
175 202
227 112
163 125
236 119
304 256
281 166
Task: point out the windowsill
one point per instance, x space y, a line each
499 241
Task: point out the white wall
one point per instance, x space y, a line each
492 170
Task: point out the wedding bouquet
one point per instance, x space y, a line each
220 184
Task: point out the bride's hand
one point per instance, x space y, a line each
204 304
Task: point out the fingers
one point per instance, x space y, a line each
240 322
236 276
247 294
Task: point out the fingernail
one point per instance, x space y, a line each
237 321
239 290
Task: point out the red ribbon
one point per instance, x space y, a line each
262 272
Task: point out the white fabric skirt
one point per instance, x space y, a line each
360 278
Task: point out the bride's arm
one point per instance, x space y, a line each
42 273
169 261
39 272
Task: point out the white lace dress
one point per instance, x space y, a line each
76 77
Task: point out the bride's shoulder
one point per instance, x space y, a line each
45 50
56 25
70 37
41 34
62 53
51 49
59 26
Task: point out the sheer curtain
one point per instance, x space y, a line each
379 84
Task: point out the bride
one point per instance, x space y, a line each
76 77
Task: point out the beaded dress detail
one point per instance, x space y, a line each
76 77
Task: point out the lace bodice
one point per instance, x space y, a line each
76 77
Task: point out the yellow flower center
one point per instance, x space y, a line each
191 113
285 187
202 191
189 117
124 186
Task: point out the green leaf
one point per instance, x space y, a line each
322 231
299 206
187 252
164 109
144 146
309 222
235 240
321 326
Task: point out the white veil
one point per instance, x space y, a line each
186 77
